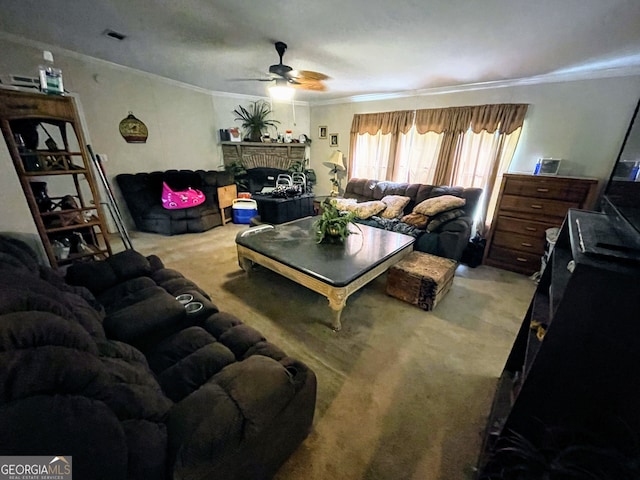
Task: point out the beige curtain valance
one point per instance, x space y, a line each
439 120
508 117
384 122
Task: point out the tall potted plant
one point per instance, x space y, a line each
255 119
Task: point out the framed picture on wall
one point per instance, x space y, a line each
333 139
322 131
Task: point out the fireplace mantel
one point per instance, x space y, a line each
256 154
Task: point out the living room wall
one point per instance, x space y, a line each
582 122
183 120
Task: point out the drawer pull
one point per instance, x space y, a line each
531 229
536 206
525 244
522 260
542 190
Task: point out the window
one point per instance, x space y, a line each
458 146
373 151
417 157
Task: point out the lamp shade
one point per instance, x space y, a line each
335 161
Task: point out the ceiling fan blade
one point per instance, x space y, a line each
314 85
309 74
309 80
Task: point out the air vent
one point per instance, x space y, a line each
20 81
113 34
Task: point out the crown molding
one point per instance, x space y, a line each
593 74
10 37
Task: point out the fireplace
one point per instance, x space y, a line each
263 155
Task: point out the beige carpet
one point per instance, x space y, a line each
402 393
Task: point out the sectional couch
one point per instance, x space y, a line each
451 235
106 366
142 194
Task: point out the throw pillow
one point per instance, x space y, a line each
368 209
395 205
344 204
444 217
416 220
434 205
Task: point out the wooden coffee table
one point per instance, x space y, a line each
333 270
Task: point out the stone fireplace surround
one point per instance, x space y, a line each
263 155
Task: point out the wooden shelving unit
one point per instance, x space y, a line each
47 147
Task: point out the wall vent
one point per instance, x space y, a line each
113 34
20 81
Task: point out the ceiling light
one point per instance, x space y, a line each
281 91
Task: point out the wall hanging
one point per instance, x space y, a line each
133 130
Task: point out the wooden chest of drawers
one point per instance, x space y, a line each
527 206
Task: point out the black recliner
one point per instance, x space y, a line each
107 366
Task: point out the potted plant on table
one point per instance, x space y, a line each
255 119
333 225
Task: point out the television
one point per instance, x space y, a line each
621 199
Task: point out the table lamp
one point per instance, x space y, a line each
335 163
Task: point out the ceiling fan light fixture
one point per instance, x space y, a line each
281 92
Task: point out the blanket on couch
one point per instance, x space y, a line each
392 225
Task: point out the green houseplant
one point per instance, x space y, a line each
237 169
255 119
333 225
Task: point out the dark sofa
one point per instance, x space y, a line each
448 240
142 194
108 367
255 179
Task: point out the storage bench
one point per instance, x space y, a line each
421 279
280 210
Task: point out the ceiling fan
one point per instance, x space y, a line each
284 75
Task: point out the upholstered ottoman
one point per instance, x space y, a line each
421 279
282 210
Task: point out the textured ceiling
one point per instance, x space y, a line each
365 46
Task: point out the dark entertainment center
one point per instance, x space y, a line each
568 399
